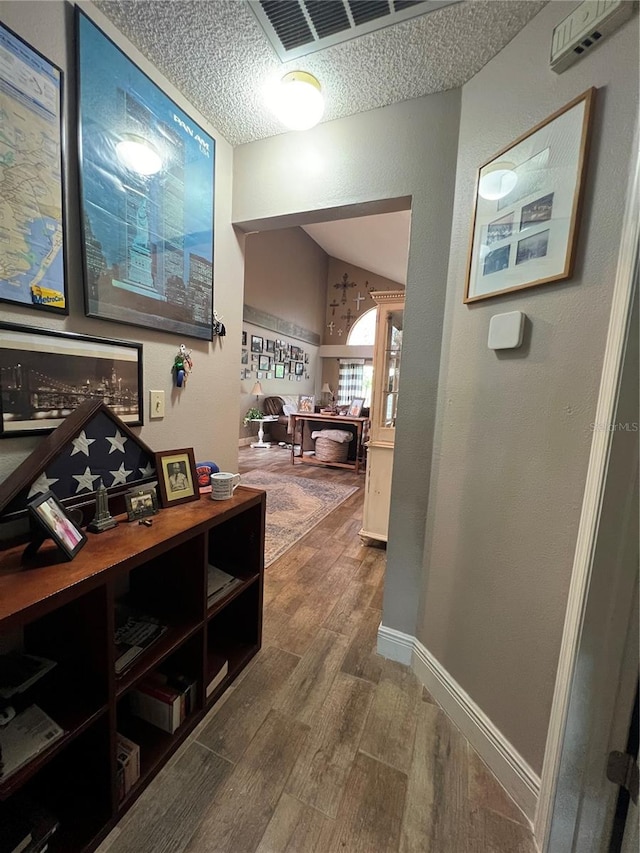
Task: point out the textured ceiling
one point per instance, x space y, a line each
215 52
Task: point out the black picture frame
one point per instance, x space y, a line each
299 368
47 161
244 339
147 228
52 522
141 503
45 375
264 362
279 371
257 343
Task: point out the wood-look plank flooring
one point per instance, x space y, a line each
322 746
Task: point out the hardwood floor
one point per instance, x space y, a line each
321 745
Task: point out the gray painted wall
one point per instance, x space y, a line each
513 431
285 275
410 151
194 416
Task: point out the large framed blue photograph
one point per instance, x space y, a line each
147 195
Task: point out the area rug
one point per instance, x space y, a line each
294 506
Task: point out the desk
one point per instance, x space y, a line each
262 421
327 422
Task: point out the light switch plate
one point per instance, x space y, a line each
506 330
156 404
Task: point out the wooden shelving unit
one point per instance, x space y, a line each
65 612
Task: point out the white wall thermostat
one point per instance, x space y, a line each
506 330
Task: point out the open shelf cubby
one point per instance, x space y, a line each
68 613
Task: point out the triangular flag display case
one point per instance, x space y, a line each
133 639
91 444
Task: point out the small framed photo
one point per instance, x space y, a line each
269 375
141 502
279 371
259 374
299 368
264 362
527 207
306 403
244 339
53 521
355 407
177 477
270 345
257 343
244 358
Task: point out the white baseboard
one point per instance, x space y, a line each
510 768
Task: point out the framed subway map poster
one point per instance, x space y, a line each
32 251
146 188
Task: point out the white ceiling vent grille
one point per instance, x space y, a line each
298 27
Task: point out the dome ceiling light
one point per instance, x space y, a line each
297 100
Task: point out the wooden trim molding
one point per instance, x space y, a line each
512 771
281 327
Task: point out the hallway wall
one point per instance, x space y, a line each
513 429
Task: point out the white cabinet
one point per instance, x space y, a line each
384 404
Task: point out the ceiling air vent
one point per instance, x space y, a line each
298 27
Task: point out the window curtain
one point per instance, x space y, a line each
350 380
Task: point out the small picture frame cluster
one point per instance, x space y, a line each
177 476
141 502
53 523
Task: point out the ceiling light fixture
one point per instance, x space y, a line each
297 101
497 180
138 154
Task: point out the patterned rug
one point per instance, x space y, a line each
294 506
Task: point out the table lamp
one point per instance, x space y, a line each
257 390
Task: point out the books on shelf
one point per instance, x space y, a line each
128 758
219 583
222 665
18 671
135 632
164 700
28 733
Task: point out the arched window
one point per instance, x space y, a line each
363 332
356 375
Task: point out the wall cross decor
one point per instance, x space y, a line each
331 326
333 305
343 285
340 331
348 317
359 298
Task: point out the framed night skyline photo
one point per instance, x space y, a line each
46 375
147 190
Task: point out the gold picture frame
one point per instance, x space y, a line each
527 206
177 477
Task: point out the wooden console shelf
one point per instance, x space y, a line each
65 611
320 421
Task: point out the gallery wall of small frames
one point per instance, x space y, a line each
266 358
